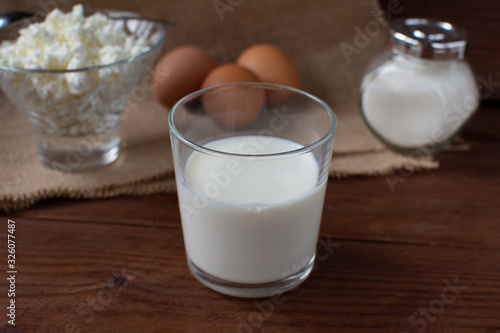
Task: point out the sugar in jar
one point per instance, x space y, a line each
417 94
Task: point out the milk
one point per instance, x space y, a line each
251 219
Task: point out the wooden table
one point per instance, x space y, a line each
410 252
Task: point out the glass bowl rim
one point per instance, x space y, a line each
121 15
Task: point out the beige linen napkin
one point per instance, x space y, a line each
330 40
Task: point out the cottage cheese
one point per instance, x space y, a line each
67 41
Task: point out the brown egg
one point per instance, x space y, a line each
228 73
272 65
234 106
180 72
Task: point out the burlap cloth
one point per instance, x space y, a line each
310 31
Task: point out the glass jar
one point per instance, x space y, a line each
416 95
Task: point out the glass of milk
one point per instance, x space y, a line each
251 165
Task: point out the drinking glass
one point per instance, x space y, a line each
251 164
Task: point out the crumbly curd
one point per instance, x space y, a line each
70 41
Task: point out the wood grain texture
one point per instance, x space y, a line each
421 258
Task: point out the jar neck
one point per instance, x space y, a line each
410 60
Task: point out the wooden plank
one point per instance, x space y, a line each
100 277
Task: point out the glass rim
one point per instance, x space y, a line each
197 147
108 13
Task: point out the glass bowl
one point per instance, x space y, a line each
76 131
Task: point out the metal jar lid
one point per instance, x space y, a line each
428 39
